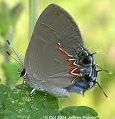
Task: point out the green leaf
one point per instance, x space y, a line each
4 94
80 111
18 104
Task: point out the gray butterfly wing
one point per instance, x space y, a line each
64 26
42 60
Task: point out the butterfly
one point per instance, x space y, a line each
56 60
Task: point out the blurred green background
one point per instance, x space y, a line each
96 20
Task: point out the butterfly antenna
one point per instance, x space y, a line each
102 89
14 53
13 58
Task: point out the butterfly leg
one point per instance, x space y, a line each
31 96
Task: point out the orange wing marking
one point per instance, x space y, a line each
72 66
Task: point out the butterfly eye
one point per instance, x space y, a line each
86 60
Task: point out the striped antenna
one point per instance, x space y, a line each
13 57
16 54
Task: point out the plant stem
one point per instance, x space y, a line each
33 15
